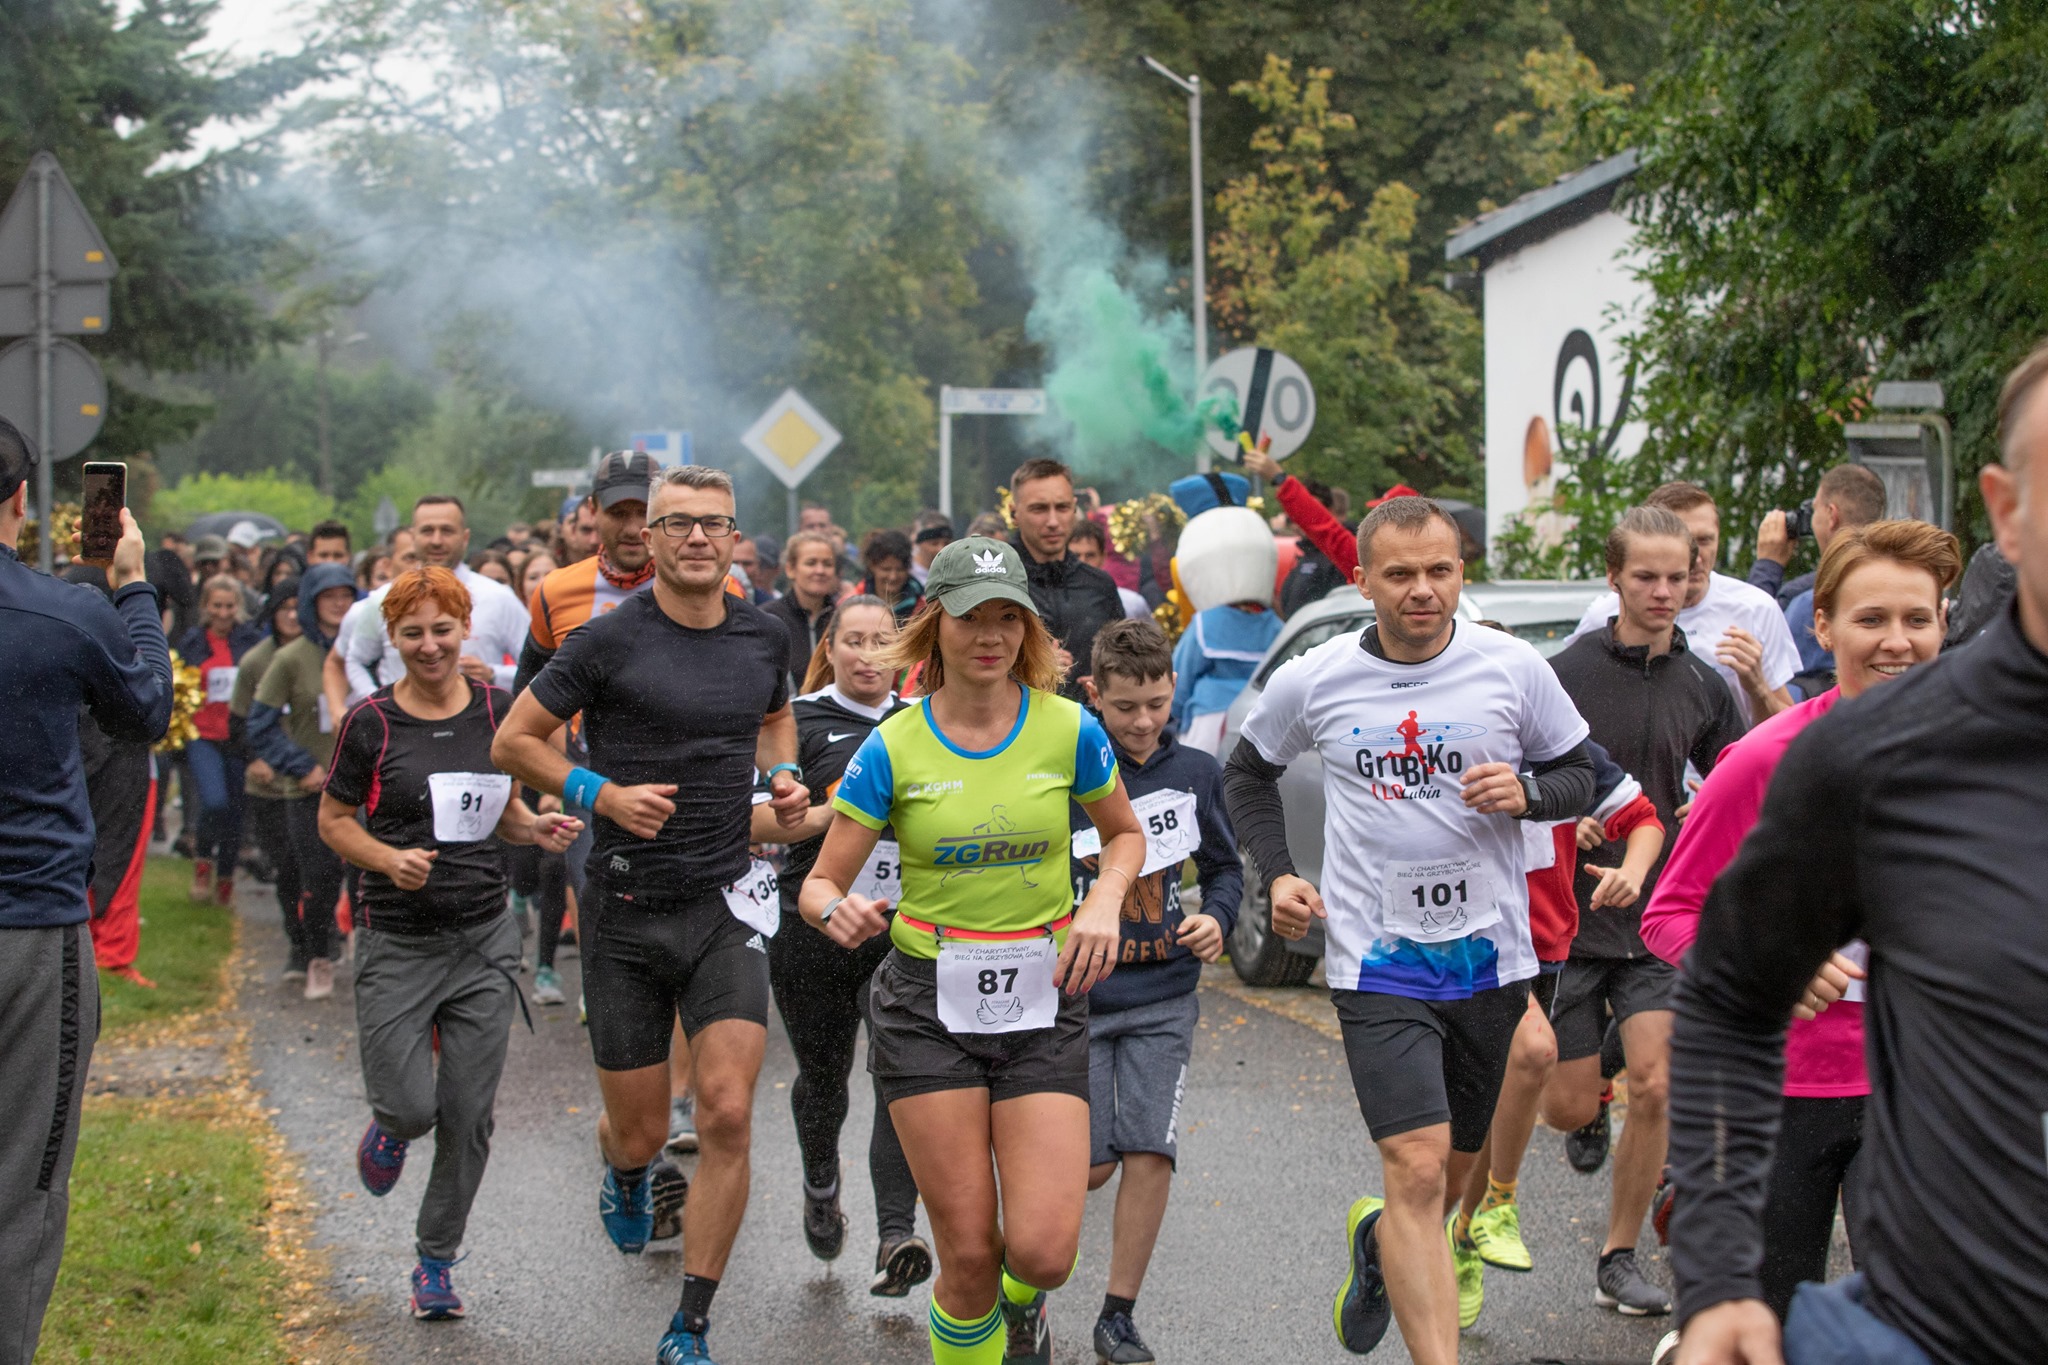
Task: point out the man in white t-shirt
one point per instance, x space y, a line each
1435 740
1738 628
497 618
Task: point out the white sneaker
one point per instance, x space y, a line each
1667 1350
319 978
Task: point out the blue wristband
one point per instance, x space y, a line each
580 789
786 768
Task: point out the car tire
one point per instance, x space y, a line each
1258 955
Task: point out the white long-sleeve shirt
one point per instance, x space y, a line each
497 632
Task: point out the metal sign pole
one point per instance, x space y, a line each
46 302
794 517
945 454
1201 257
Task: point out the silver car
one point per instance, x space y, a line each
1543 613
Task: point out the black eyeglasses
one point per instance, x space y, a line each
678 527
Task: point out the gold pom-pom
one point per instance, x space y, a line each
1167 614
1136 524
188 694
65 518
1006 506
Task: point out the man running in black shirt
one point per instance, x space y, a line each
1916 819
1652 704
684 692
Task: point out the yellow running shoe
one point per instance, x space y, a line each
1362 1313
1471 1275
1497 1235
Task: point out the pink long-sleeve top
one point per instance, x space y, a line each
1823 1056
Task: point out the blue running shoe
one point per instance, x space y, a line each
433 1293
1362 1312
380 1160
626 1212
681 1346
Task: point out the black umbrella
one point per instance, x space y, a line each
1471 520
224 524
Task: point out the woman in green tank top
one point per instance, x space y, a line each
978 1018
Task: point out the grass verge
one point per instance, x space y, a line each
185 949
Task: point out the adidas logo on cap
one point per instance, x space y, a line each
989 561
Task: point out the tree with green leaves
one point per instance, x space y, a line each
1832 195
119 92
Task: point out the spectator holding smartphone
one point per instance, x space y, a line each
66 647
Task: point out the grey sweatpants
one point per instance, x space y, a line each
49 1020
407 986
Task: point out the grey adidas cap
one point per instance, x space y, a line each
978 569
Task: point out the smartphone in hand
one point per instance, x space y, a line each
105 493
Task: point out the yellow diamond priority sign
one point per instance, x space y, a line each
791 438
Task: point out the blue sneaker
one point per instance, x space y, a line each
1362 1312
627 1213
380 1160
681 1346
433 1293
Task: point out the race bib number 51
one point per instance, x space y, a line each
1439 900
1001 987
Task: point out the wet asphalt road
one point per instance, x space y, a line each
1273 1152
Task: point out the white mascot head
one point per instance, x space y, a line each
1227 555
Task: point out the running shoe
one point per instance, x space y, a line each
824 1224
627 1212
202 881
1117 1341
1362 1312
1661 1206
1622 1286
899 1265
294 967
1497 1233
1471 1272
671 1190
547 987
433 1292
1667 1350
1586 1148
681 1346
319 978
380 1159
682 1125
224 890
1030 1330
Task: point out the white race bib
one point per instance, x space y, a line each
1003 987
1171 832
326 716
1439 900
220 683
467 806
881 877
755 900
1539 844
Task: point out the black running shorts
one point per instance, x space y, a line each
911 1053
646 964
1419 1062
1592 985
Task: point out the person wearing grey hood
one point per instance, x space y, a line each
266 794
292 730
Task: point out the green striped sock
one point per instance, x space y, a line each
966 1343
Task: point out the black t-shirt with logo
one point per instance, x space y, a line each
663 702
428 784
830 728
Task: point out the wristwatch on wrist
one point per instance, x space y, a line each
830 906
1531 793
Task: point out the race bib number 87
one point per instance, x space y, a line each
1001 987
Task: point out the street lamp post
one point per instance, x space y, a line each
1191 85
324 345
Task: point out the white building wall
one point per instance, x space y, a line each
1555 312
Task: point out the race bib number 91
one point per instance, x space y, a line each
1001 987
467 806
1438 900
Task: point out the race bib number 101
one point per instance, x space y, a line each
1439 900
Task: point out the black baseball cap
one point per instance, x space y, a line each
939 531
18 458
622 476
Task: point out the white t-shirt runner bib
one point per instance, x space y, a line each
1396 743
755 899
1167 818
881 877
999 987
220 683
467 806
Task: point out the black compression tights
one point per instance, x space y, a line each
1818 1140
821 993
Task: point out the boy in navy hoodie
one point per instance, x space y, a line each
1141 1024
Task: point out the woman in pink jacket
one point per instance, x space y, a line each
1877 604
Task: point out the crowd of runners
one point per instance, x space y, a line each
1770 854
